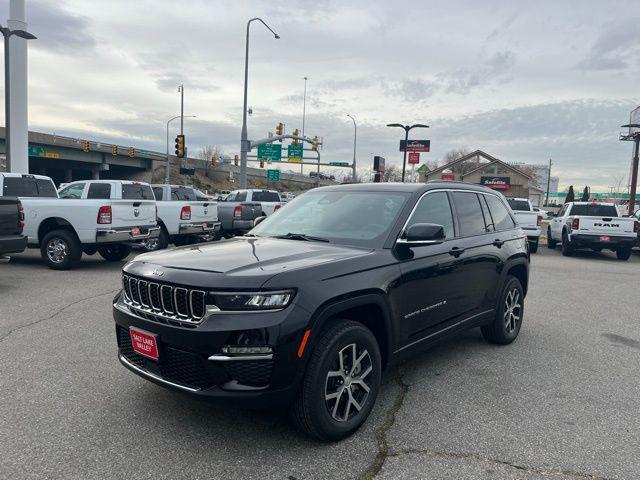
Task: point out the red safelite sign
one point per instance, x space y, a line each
448 176
414 157
497 183
415 145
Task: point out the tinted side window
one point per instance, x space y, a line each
182 193
72 191
490 227
28 187
135 191
99 190
562 210
45 188
157 192
501 218
434 208
265 196
469 213
241 196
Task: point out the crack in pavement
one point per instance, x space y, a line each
479 458
56 313
381 434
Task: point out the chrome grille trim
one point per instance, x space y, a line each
178 306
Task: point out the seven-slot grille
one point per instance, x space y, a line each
164 303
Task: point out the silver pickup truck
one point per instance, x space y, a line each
236 215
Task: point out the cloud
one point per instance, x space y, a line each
58 29
616 48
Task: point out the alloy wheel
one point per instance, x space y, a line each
57 250
346 386
512 310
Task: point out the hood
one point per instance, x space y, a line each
244 257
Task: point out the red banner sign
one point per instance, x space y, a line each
448 176
497 183
414 157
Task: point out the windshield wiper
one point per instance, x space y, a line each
249 235
301 236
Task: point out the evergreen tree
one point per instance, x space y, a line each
570 195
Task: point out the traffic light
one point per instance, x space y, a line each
213 160
114 150
314 145
180 146
262 163
132 152
296 133
280 129
236 160
85 145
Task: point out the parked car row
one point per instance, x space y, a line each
109 217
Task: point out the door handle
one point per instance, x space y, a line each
498 243
456 251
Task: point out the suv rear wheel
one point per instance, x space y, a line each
61 249
506 325
341 382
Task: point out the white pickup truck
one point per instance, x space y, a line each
528 219
64 228
185 216
593 225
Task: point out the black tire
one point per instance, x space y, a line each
503 330
61 249
311 410
115 252
533 246
623 253
159 243
226 234
89 250
551 243
567 248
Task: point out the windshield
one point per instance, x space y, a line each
136 191
265 196
342 217
594 210
519 205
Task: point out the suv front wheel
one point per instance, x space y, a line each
341 383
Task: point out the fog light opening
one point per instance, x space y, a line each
245 350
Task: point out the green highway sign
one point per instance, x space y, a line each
340 164
270 151
273 175
295 151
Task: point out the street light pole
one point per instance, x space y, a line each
244 141
406 128
304 111
7 32
548 184
355 136
168 166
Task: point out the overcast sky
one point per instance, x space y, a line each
522 80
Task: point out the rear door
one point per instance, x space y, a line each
137 206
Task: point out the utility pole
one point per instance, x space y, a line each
355 136
181 90
546 202
304 111
634 136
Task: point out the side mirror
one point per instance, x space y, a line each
420 234
257 221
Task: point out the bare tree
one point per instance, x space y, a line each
532 172
462 167
392 174
208 152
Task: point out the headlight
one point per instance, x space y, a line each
249 301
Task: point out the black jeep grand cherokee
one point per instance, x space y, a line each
314 303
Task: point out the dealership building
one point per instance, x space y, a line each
483 169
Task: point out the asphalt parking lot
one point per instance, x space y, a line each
560 402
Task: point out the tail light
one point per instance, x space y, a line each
636 227
237 212
575 224
21 216
104 215
185 213
277 207
539 220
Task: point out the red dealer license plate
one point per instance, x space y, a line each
205 226
605 239
144 343
135 231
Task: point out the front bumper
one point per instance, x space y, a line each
205 228
190 357
123 234
12 244
581 240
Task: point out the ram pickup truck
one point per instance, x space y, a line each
269 199
528 219
185 216
593 225
238 215
11 224
64 228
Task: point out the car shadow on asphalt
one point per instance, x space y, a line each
604 256
88 262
